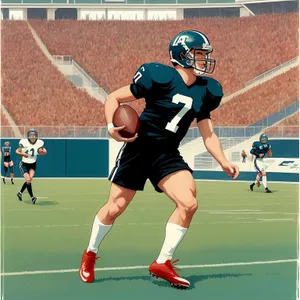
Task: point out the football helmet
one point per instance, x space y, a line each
183 47
32 136
263 139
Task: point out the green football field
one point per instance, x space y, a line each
241 245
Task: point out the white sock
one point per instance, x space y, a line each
174 235
99 231
264 180
255 181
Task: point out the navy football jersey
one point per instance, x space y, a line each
171 105
260 148
6 150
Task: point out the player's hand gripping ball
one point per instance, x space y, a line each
126 116
42 151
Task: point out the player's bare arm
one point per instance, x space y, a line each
20 153
270 154
113 101
213 146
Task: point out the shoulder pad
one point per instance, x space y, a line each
214 87
214 92
22 143
159 73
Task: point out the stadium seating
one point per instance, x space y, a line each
259 102
289 127
34 91
242 46
4 121
6 130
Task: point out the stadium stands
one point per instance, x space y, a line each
34 91
4 121
242 46
289 127
260 101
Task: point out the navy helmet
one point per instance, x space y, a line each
32 136
263 138
183 49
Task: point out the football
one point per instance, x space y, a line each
126 115
42 151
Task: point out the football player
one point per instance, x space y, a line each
6 150
259 150
174 98
244 156
29 149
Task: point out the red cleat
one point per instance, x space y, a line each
166 271
86 271
258 184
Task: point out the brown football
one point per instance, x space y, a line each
126 115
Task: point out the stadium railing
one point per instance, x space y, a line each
284 65
101 132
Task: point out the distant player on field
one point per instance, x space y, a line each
7 162
174 98
29 149
259 150
244 156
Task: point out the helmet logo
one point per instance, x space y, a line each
207 47
180 40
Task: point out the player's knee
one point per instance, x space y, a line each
189 207
263 173
116 206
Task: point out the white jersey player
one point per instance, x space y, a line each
29 149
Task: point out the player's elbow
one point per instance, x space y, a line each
111 98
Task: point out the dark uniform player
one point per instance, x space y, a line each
171 106
244 156
174 98
259 150
7 162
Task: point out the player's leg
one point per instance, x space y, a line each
11 167
257 179
119 199
29 185
180 187
24 172
258 168
264 181
25 185
127 176
5 169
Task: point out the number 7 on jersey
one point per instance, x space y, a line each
188 103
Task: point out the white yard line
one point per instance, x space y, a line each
146 267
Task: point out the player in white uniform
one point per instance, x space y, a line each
29 149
